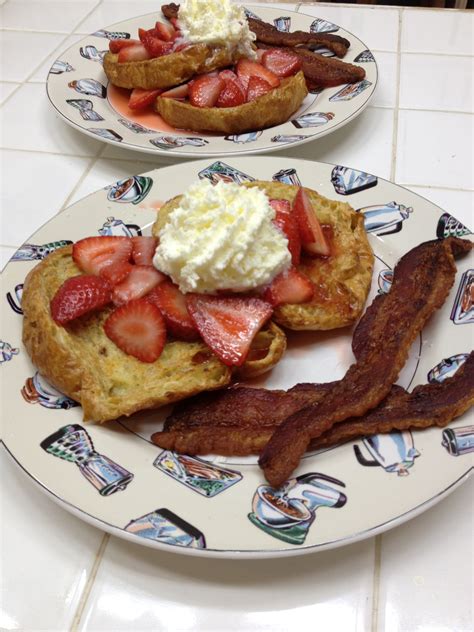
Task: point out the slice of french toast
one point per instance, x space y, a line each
83 363
341 281
271 109
168 70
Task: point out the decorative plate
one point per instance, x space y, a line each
79 90
113 477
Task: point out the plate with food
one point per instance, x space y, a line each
252 358
210 78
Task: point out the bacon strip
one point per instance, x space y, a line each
271 36
200 432
421 282
324 72
170 10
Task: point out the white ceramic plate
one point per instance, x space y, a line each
78 89
133 489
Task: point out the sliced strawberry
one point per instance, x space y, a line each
133 53
165 31
289 287
94 253
227 324
116 272
180 92
204 91
155 46
312 236
140 99
257 87
144 250
249 68
231 95
282 63
260 53
115 46
138 329
79 295
172 304
139 282
175 23
286 222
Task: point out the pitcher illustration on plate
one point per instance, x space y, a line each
394 452
287 513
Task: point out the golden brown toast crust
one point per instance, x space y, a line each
271 109
342 281
84 364
168 70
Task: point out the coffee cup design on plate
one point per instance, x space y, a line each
449 226
288 513
463 307
129 190
34 252
347 181
14 300
458 441
446 368
86 109
220 171
201 476
90 52
72 443
165 526
60 66
37 390
313 119
7 351
89 87
394 452
287 176
384 281
283 23
323 26
385 219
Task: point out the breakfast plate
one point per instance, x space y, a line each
78 89
115 478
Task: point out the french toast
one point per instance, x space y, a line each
83 363
341 281
270 109
168 70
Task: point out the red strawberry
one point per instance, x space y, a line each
94 253
312 236
231 95
172 304
140 99
175 23
228 324
282 63
257 87
204 91
180 92
115 46
116 272
139 282
155 46
133 53
79 295
286 222
165 31
249 68
138 329
289 287
144 250
260 53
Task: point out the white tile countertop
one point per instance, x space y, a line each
58 573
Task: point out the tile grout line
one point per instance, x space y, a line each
88 169
376 582
396 110
89 584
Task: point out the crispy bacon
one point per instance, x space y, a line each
231 423
170 11
421 282
324 72
271 36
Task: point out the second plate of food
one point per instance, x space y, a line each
80 91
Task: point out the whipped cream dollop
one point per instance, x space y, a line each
218 22
221 237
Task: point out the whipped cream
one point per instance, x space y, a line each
221 238
218 22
